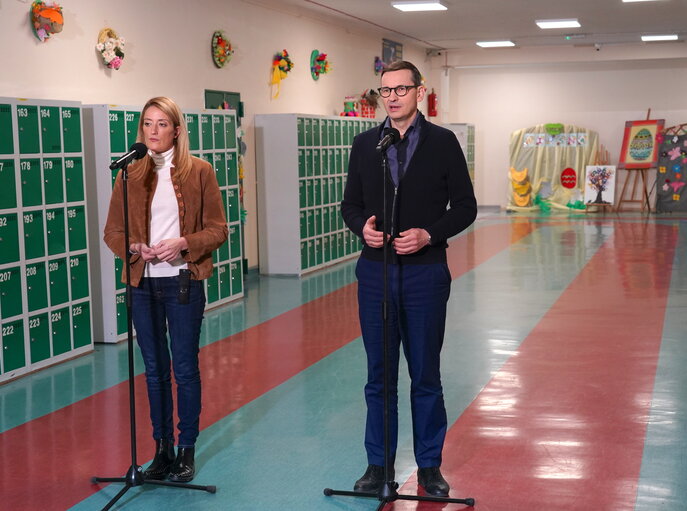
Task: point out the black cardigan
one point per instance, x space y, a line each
435 177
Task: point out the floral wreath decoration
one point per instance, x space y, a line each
319 65
46 19
221 49
111 48
281 66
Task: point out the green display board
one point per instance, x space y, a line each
44 276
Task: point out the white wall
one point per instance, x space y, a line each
168 53
600 96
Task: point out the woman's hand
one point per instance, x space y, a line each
170 249
147 253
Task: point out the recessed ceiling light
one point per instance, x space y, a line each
569 23
495 44
419 5
649 38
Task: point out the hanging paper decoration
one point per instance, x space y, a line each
318 64
46 19
379 65
221 49
569 178
111 48
281 65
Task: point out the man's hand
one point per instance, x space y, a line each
373 237
170 249
410 241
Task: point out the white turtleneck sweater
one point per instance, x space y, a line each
164 216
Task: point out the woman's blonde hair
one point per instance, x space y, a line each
182 156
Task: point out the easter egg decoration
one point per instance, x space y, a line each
569 178
641 145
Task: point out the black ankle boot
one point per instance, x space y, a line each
162 462
184 467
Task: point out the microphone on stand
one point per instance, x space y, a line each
391 136
136 151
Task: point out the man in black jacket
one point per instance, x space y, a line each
427 173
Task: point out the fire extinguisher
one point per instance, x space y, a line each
432 104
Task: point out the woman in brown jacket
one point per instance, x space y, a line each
176 220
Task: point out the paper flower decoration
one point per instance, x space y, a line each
318 64
111 48
281 66
221 49
46 19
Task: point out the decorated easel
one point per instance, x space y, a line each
638 155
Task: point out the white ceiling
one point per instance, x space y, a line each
604 22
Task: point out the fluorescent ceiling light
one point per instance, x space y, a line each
649 38
419 5
495 44
571 23
627 1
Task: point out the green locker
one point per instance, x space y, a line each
208 157
235 241
34 243
337 161
29 135
331 131
71 128
206 131
301 163
76 226
337 132
13 355
316 163
31 189
230 129
10 292
302 193
326 199
39 337
309 193
50 129
61 331
310 220
218 131
119 265
117 132
304 225
59 281
120 302
73 173
81 324
223 251
131 120
55 229
307 130
36 287
193 131
220 164
324 162
326 254
318 251
318 221
304 255
317 191
224 281
232 169
233 204
223 193
300 128
78 274
315 126
6 131
333 169
236 278
312 260
53 180
212 290
8 198
326 225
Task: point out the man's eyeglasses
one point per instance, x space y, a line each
400 90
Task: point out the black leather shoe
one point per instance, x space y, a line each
372 480
162 462
184 467
432 481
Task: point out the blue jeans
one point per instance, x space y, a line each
418 294
155 308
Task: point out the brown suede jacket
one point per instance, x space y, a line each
202 220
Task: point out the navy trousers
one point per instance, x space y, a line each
417 315
155 307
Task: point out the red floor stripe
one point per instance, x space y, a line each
53 457
562 425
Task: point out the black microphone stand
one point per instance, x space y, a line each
134 476
388 491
